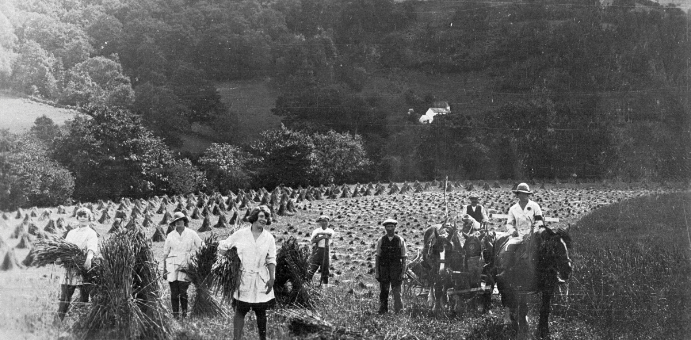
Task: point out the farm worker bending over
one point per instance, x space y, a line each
390 266
87 240
525 214
475 210
257 251
321 238
180 245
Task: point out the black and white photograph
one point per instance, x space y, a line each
345 169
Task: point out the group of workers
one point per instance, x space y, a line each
256 248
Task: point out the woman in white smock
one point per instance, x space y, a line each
180 245
525 214
256 249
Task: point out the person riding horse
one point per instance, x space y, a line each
535 262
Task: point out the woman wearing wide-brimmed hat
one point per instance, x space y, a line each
525 214
180 245
256 249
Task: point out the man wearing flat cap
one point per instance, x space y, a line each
475 209
390 266
321 239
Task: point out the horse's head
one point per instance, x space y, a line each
554 250
439 239
433 240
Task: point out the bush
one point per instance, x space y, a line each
46 130
33 71
97 81
339 157
30 177
225 167
182 177
113 155
287 157
282 157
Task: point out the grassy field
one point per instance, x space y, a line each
18 114
252 101
349 306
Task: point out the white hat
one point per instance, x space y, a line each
323 218
389 221
179 215
523 188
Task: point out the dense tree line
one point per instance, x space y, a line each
598 91
108 153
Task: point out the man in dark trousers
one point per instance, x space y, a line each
390 266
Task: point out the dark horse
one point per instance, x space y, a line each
535 264
448 262
440 256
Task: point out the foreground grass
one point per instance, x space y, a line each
633 269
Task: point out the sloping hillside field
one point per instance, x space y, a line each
630 253
19 114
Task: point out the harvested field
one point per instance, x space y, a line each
348 308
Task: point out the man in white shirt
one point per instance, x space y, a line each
87 240
321 240
180 245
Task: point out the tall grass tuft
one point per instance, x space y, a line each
632 268
127 298
293 267
199 271
227 274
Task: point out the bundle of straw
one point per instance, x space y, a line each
199 271
48 250
127 299
293 266
304 323
227 274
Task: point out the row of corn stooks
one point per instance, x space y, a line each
127 296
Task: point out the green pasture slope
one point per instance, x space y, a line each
18 114
632 274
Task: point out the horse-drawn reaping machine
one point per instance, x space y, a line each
462 273
449 269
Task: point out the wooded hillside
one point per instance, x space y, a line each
537 90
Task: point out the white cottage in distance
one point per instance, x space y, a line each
438 108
